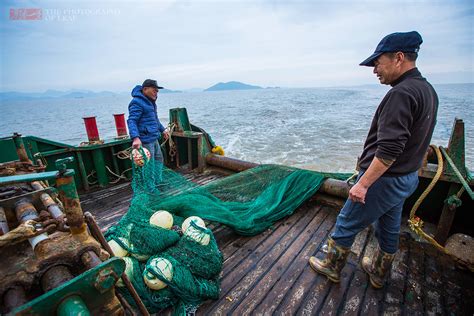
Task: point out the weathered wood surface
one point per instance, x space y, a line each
268 274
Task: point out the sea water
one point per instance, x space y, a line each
318 128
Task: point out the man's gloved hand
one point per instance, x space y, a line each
165 135
137 143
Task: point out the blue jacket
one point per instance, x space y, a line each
143 120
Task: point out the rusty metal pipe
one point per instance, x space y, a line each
95 230
54 277
72 205
229 163
51 206
48 202
335 187
25 211
14 297
20 148
3 222
90 259
125 304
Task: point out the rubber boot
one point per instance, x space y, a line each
332 265
378 268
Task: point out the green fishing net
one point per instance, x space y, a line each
249 202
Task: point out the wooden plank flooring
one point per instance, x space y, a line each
268 274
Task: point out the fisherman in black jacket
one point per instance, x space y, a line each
398 138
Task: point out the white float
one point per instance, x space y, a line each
118 250
163 267
162 219
196 219
193 233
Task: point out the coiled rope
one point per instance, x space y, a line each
415 223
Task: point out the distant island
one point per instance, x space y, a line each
232 85
54 94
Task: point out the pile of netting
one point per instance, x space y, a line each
188 268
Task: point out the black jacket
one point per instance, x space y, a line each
403 124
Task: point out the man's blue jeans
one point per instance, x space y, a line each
156 169
383 206
155 150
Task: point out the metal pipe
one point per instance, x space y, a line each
20 148
90 259
72 205
114 160
120 125
54 277
36 185
91 128
3 222
51 206
96 232
14 297
229 163
335 187
99 164
48 202
82 171
55 152
26 211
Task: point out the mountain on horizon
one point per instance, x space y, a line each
69 94
232 85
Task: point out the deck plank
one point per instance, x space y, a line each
239 278
397 281
295 253
286 282
371 305
414 290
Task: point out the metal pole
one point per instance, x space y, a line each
3 222
72 205
99 164
82 171
229 163
14 297
20 148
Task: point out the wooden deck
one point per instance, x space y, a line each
269 273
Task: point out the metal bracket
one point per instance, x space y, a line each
90 286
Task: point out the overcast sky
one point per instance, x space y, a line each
113 45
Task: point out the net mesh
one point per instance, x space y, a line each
249 202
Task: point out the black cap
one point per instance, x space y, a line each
151 83
408 42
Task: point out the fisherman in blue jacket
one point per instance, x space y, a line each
143 124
